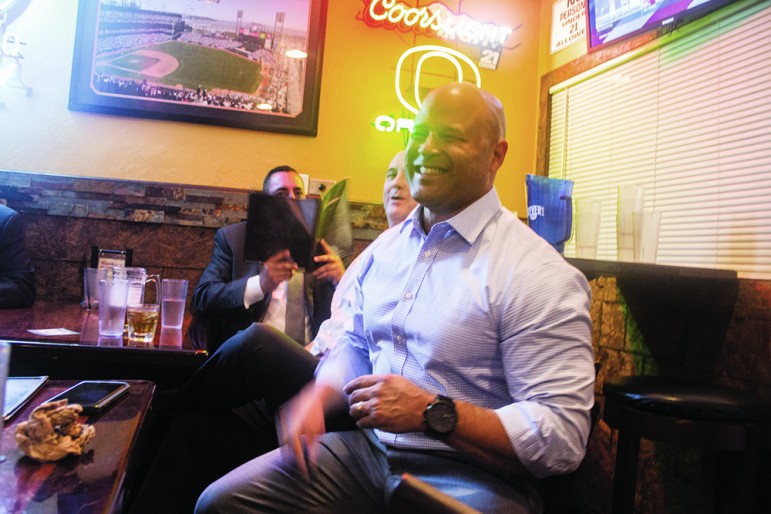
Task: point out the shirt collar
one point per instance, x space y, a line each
468 223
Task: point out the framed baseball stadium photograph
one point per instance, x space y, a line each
252 64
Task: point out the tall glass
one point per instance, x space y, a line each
174 297
631 200
588 213
113 293
646 236
5 358
550 209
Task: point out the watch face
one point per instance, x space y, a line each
441 417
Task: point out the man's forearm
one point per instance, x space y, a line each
480 434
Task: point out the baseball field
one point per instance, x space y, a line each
173 64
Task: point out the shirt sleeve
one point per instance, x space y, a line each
350 357
217 292
341 318
549 365
253 292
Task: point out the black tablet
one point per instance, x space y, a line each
19 391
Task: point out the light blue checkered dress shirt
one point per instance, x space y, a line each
480 309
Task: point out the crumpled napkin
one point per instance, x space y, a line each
53 432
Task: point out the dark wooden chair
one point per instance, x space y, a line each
700 415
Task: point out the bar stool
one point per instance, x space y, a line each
707 416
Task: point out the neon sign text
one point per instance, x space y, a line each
398 15
434 19
387 124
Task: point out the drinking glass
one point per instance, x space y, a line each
646 236
174 297
171 337
5 358
550 209
630 201
91 288
142 322
113 293
137 278
587 227
141 315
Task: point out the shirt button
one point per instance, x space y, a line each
427 253
407 295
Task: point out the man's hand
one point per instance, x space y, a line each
388 402
332 269
394 404
301 421
277 268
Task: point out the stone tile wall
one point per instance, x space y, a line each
170 227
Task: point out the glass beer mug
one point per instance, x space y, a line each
137 278
141 316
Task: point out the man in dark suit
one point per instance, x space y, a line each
203 442
17 274
233 292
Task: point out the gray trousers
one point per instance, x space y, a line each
355 473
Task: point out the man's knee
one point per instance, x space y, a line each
210 502
248 341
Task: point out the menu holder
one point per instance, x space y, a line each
276 223
102 258
19 391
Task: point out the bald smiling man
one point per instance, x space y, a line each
468 362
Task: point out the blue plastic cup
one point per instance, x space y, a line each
550 209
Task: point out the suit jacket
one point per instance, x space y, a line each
218 299
17 273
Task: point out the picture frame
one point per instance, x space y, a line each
232 63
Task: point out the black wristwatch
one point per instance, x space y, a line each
440 417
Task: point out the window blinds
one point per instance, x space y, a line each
690 121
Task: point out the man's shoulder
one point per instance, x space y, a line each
7 213
229 232
521 249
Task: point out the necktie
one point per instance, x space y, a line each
295 308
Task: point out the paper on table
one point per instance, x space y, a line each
53 332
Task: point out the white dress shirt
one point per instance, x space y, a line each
275 315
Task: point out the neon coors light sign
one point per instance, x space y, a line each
434 20
385 123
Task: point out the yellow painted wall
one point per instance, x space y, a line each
39 133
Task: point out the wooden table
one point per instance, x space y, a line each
95 482
170 360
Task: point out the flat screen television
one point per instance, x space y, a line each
611 21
